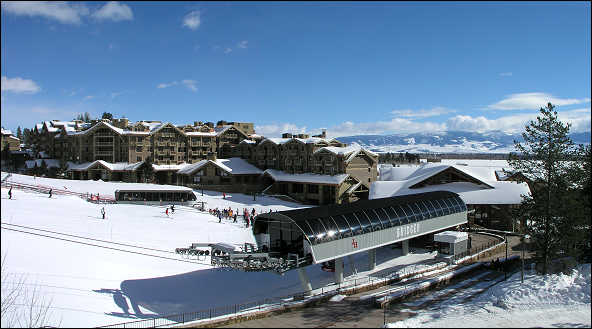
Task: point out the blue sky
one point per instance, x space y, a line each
351 67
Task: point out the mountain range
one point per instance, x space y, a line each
446 142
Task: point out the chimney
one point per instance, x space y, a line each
324 133
211 156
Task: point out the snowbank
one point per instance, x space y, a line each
555 300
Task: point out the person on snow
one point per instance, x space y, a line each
223 195
10 193
173 208
167 211
50 190
103 212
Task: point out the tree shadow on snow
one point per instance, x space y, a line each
202 290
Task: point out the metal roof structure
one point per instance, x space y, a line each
339 230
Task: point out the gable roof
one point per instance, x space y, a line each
282 176
234 166
491 192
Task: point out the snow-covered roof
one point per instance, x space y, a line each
151 187
348 151
281 176
235 166
51 163
201 133
451 236
470 193
169 167
6 132
118 166
102 123
310 140
248 141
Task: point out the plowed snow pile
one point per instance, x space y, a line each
555 300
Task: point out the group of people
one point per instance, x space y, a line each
233 214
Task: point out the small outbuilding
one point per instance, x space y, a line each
451 243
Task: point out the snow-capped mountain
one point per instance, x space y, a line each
446 142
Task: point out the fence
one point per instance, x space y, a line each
476 251
45 190
274 303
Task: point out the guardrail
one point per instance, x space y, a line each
45 190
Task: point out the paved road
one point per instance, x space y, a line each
355 313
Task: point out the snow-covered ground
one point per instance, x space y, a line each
541 301
91 285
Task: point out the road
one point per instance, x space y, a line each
356 312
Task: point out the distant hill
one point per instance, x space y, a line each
446 142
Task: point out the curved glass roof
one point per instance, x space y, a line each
326 223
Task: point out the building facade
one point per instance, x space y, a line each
105 140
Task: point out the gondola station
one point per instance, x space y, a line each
294 239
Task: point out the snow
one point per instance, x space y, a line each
337 298
94 286
451 236
235 166
281 176
555 300
395 181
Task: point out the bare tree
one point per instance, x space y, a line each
22 306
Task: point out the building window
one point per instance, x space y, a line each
297 188
313 188
139 159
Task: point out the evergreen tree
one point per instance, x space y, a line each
86 117
542 157
27 137
148 169
43 169
19 133
107 115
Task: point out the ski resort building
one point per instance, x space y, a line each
297 238
490 202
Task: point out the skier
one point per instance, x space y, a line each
223 195
235 214
50 193
103 212
167 211
173 208
10 193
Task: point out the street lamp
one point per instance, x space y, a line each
506 261
523 239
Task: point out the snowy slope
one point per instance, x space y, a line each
94 286
541 301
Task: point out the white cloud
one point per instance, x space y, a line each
243 44
57 10
88 97
19 85
114 11
579 119
115 94
166 85
192 20
408 113
190 84
505 74
394 126
227 50
276 130
533 101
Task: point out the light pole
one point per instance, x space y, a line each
384 313
506 261
523 240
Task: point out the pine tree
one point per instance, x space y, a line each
19 133
542 157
